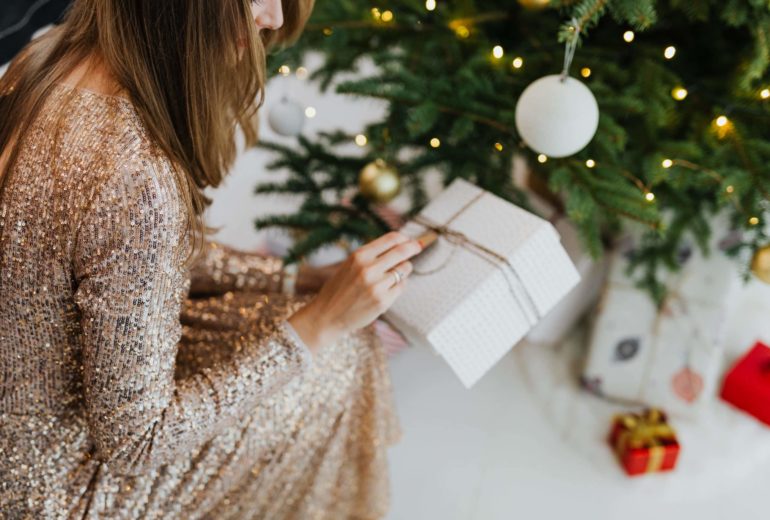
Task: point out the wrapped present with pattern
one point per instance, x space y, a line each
747 385
667 356
645 442
494 271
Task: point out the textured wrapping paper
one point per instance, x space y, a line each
668 357
561 320
470 306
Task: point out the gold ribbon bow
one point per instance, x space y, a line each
460 239
648 430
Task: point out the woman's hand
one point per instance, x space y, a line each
310 278
359 290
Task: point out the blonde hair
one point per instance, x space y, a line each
178 61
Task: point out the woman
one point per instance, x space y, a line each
120 396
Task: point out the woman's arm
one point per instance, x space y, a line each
221 268
129 269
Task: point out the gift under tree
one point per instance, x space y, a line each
669 355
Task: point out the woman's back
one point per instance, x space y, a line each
85 160
69 173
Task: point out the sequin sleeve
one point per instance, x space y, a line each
129 268
221 268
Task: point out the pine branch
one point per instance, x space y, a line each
440 82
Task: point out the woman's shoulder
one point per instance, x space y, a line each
104 138
104 125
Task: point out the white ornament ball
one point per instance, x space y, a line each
286 118
557 118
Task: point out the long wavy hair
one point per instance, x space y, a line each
180 64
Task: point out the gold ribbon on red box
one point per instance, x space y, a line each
648 430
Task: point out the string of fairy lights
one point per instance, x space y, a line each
721 125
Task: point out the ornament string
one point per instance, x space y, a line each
457 239
570 48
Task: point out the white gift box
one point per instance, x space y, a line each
556 326
669 357
561 320
493 273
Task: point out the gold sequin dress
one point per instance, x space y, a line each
131 387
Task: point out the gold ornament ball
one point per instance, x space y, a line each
534 4
379 182
760 264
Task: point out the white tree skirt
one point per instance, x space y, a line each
719 449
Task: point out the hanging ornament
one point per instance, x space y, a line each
378 181
557 115
534 4
760 263
286 117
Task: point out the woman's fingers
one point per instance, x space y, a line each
388 281
396 255
368 252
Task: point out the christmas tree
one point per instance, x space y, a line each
683 93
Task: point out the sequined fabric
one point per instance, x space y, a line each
131 387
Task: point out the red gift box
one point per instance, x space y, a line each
644 443
747 384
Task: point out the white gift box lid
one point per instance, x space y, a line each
468 306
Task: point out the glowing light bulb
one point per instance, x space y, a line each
361 140
542 158
585 72
765 94
430 5
669 52
517 62
497 52
722 127
310 112
667 163
753 221
629 36
376 13
328 31
387 16
499 147
679 93
284 70
730 189
462 31
650 196
590 163
435 142
301 72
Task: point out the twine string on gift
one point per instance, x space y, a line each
441 229
457 239
695 337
